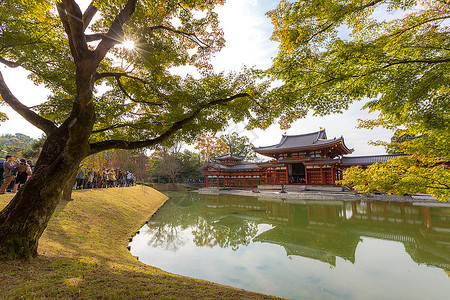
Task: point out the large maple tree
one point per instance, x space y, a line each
106 94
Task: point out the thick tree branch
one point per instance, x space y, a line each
325 28
123 90
29 115
317 84
121 144
191 36
43 105
75 19
422 61
65 21
89 15
13 64
36 41
9 63
114 35
371 3
115 126
329 24
387 65
403 30
434 181
94 37
118 75
187 11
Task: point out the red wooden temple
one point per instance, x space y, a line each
297 159
229 171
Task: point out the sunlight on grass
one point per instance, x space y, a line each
74 281
89 260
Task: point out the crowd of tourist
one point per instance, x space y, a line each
15 172
105 178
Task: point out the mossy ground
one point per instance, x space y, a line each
83 254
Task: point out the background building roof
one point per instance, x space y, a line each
367 160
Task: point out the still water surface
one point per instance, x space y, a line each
313 249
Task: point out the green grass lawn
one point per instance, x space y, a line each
83 254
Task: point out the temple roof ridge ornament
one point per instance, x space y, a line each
228 156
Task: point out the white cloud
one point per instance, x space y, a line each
247 32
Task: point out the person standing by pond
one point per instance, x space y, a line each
90 179
110 178
23 171
9 174
2 160
80 178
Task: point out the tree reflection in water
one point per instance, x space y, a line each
188 211
224 233
166 237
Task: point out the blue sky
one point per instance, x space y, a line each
247 32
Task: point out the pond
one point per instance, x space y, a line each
311 249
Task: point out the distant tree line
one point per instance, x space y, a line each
20 145
164 165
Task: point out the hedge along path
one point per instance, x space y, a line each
83 254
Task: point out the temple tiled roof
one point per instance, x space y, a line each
295 141
228 156
308 140
247 166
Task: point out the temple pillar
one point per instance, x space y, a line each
332 175
306 175
287 174
426 215
322 175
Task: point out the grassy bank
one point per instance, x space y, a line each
83 254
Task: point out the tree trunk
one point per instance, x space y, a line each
67 192
24 219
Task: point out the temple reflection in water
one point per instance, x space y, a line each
304 250
324 230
